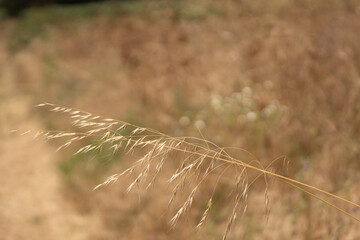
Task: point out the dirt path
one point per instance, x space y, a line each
31 202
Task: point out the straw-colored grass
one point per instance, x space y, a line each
201 160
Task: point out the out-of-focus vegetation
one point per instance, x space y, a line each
16 7
273 77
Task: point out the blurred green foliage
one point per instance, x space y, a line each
90 163
193 12
33 22
15 7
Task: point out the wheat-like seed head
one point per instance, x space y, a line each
201 160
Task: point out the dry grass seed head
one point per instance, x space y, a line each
200 159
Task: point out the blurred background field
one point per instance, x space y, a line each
277 78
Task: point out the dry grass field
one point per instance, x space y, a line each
277 78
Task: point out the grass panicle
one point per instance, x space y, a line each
200 161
